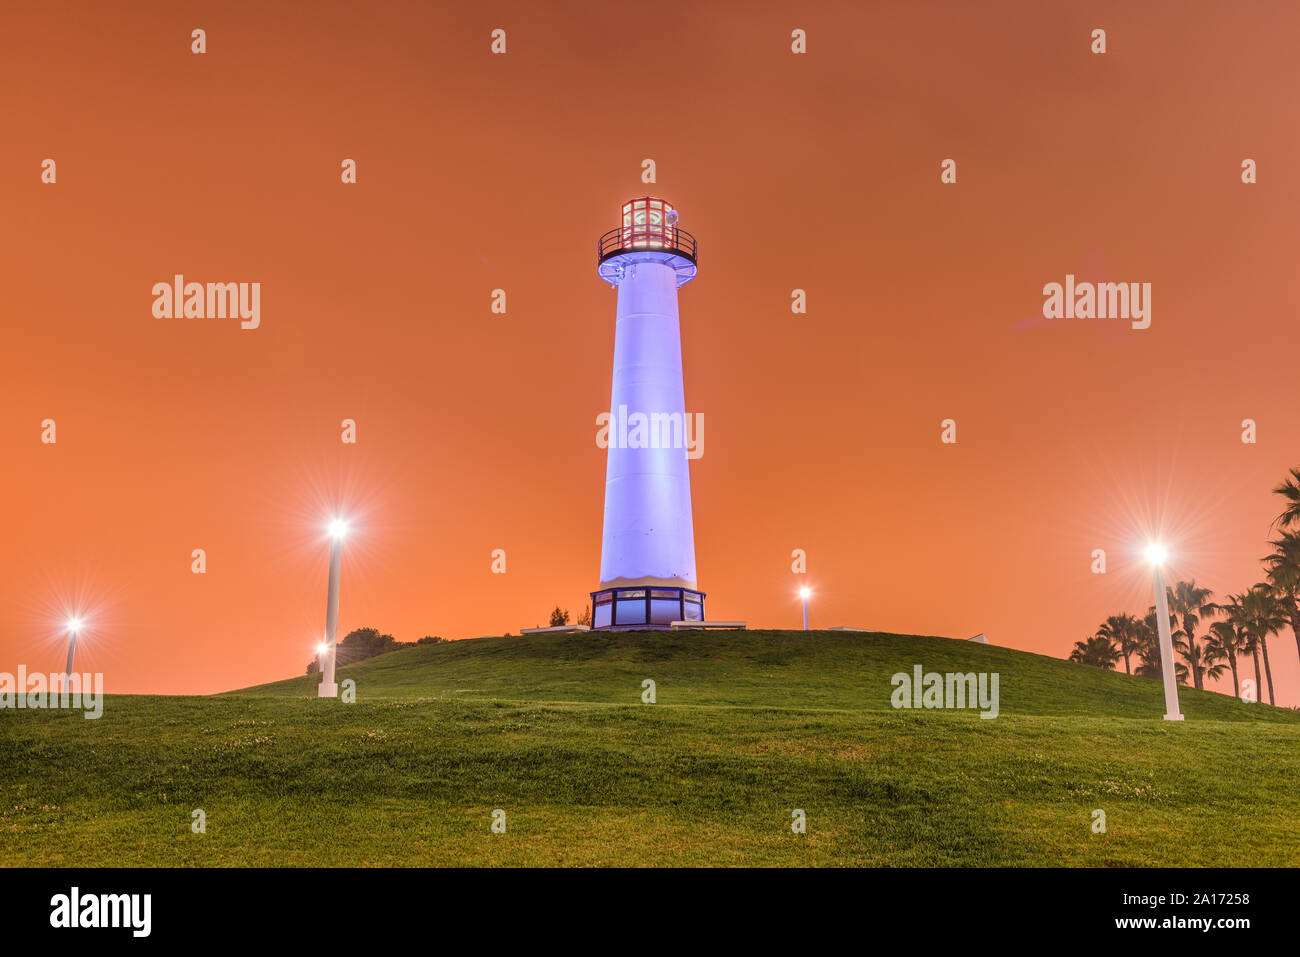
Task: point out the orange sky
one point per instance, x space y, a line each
476 431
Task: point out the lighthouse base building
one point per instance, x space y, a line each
647 559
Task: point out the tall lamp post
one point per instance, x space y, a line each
74 626
803 594
328 687
1156 555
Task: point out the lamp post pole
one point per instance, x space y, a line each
804 593
1166 640
73 627
328 687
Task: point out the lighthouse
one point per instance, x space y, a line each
647 556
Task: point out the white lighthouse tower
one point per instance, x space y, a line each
647 559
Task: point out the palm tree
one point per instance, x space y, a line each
1289 489
1207 657
1148 651
1229 640
1263 615
1125 633
1283 573
1191 604
1096 650
1239 617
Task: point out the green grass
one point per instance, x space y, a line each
747 727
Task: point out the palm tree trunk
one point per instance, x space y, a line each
1295 620
1232 660
1268 672
1129 671
1255 651
1192 657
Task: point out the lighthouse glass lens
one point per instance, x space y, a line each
656 228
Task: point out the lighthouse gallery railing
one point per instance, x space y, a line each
632 238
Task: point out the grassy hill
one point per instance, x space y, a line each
756 669
748 726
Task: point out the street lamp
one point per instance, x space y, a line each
1156 555
73 626
328 688
804 593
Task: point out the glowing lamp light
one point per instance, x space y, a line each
1157 554
322 648
74 626
804 593
338 528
